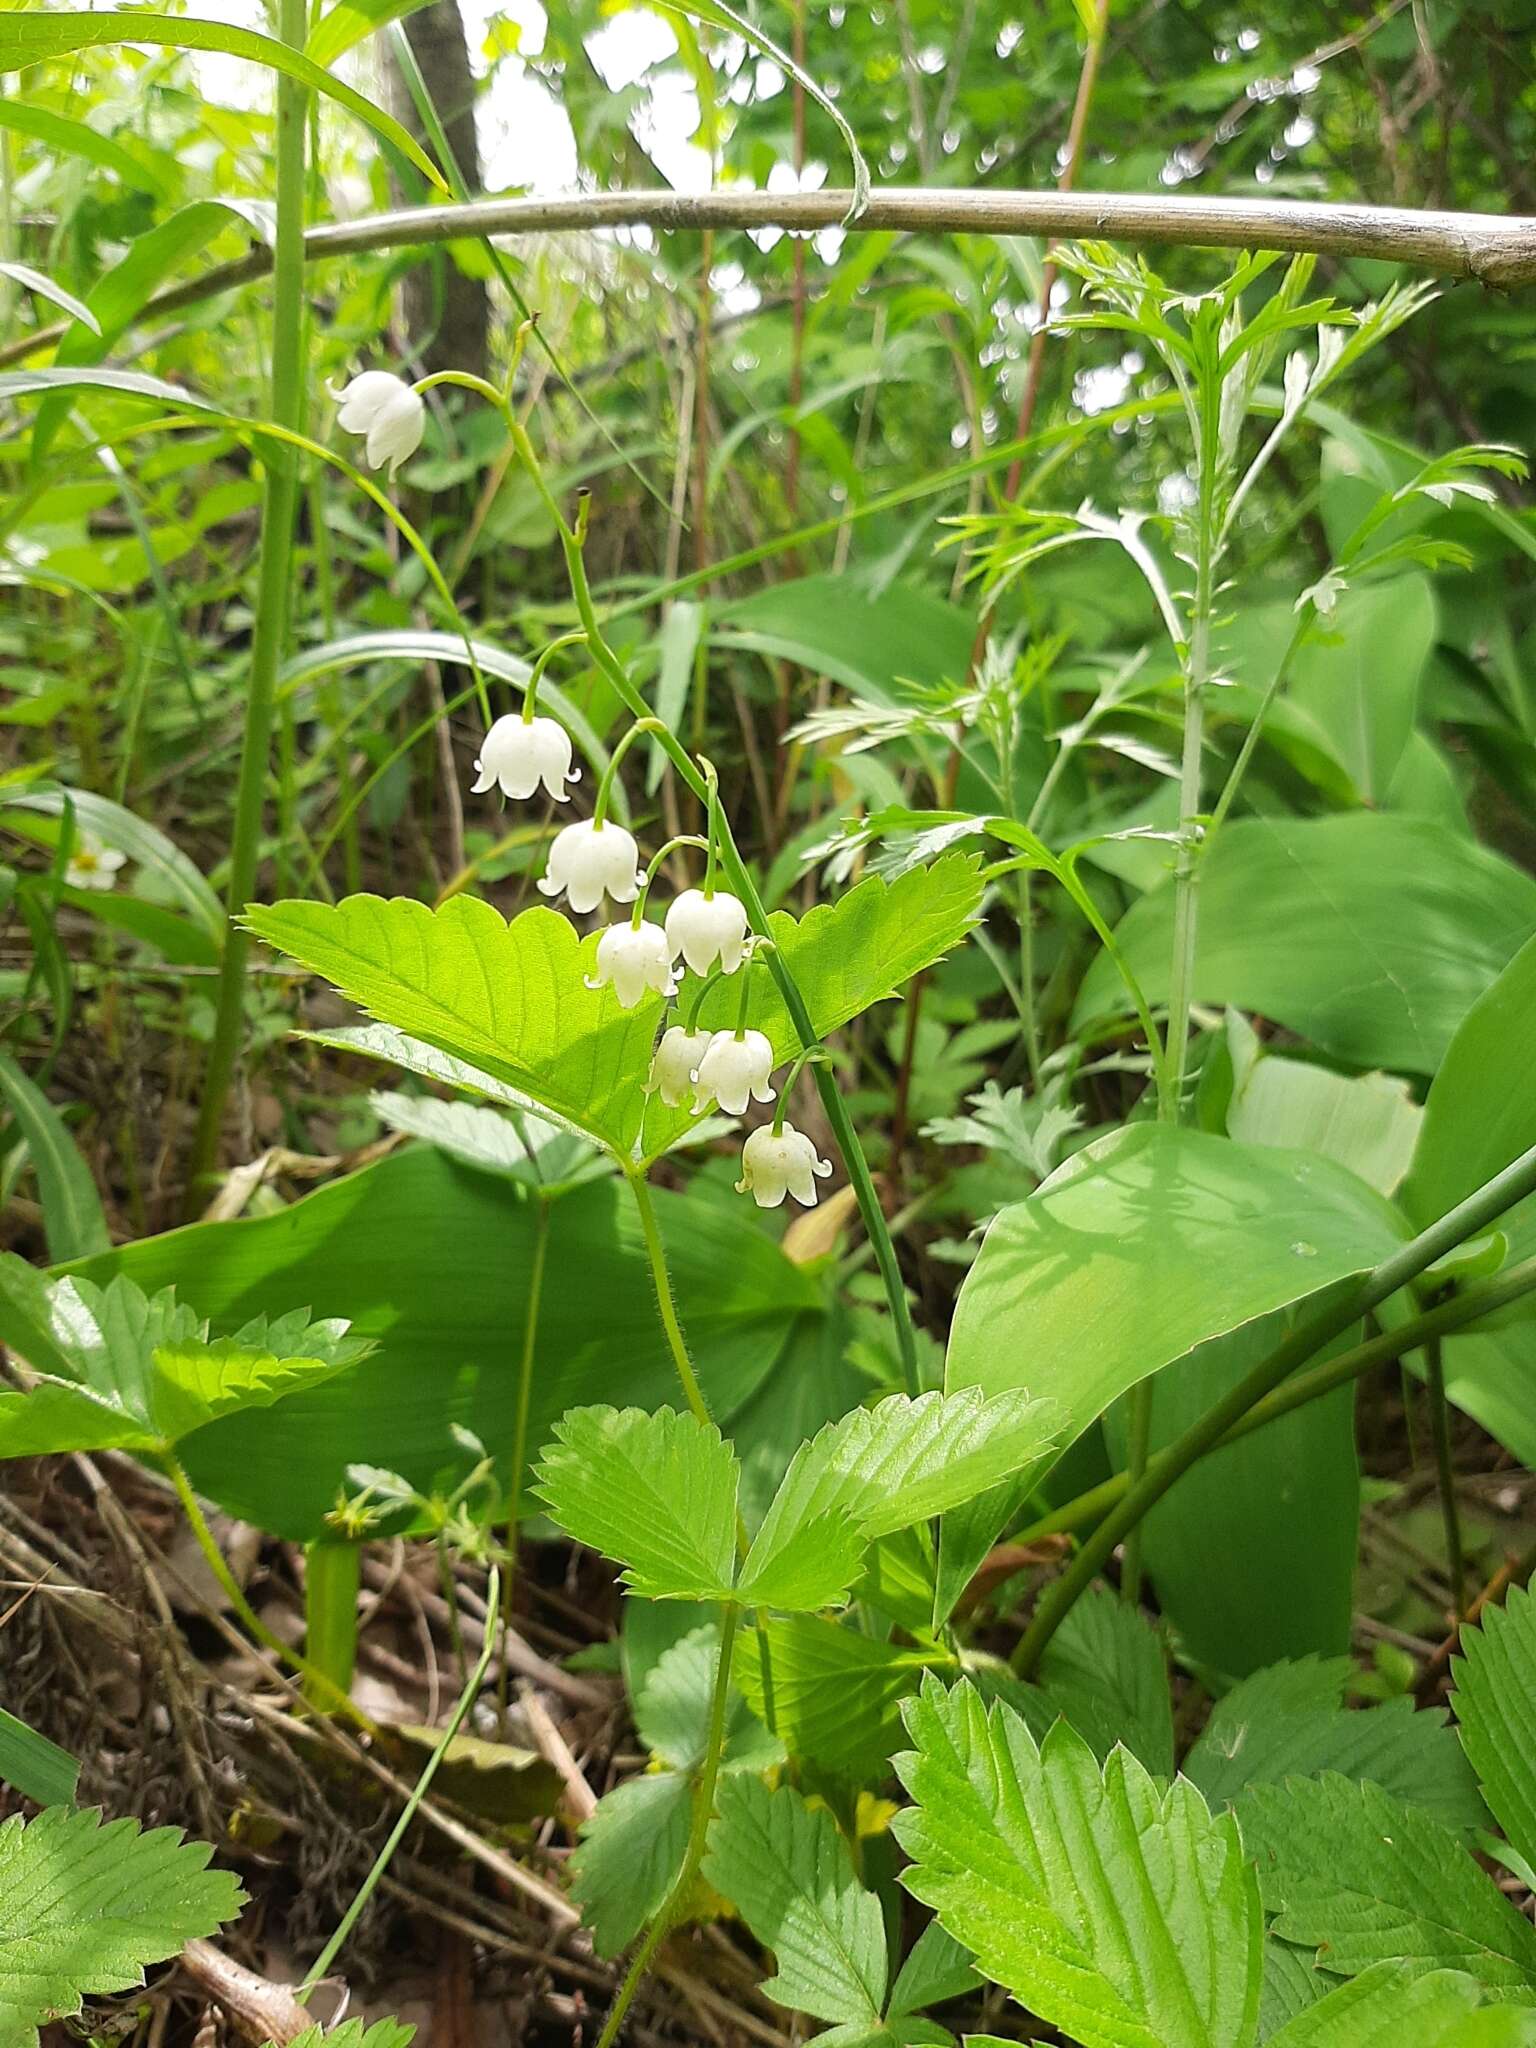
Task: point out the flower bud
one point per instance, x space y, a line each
779 1162
387 412
633 958
706 928
588 861
733 1070
518 753
676 1063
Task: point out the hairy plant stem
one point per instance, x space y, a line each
319 1687
1440 1429
419 1791
698 1834
1476 1213
520 1425
656 1257
743 886
279 507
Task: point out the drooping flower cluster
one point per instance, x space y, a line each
595 861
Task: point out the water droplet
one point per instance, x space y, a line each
1302 1250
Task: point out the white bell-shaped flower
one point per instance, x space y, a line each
704 928
519 753
675 1063
588 861
387 412
633 957
734 1068
776 1163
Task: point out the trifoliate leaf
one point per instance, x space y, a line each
629 1857
905 1461
1288 1720
657 1493
1495 1678
786 1869
1363 1878
1394 2005
84 1906
138 1373
1120 1912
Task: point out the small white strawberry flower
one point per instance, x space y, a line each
518 753
734 1068
92 865
588 861
779 1160
633 957
675 1063
704 926
387 412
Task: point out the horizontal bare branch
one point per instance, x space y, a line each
1498 250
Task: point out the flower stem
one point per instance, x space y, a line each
698 1834
319 1687
1481 1208
605 787
419 1791
741 883
279 506
525 1365
1440 1427
656 1254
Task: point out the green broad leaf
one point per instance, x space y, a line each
432 1262
808 1566
655 1492
1139 1251
84 1906
1394 2005
1369 934
152 853
672 1710
1495 1681
37 1768
31 36
832 1694
872 646
786 1869
1363 1878
903 1462
630 1856
1366 1122
1480 1114
1119 1911
1291 1984
1104 1671
510 1000
524 1147
72 1213
856 951
1289 1720
345 23
128 1372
